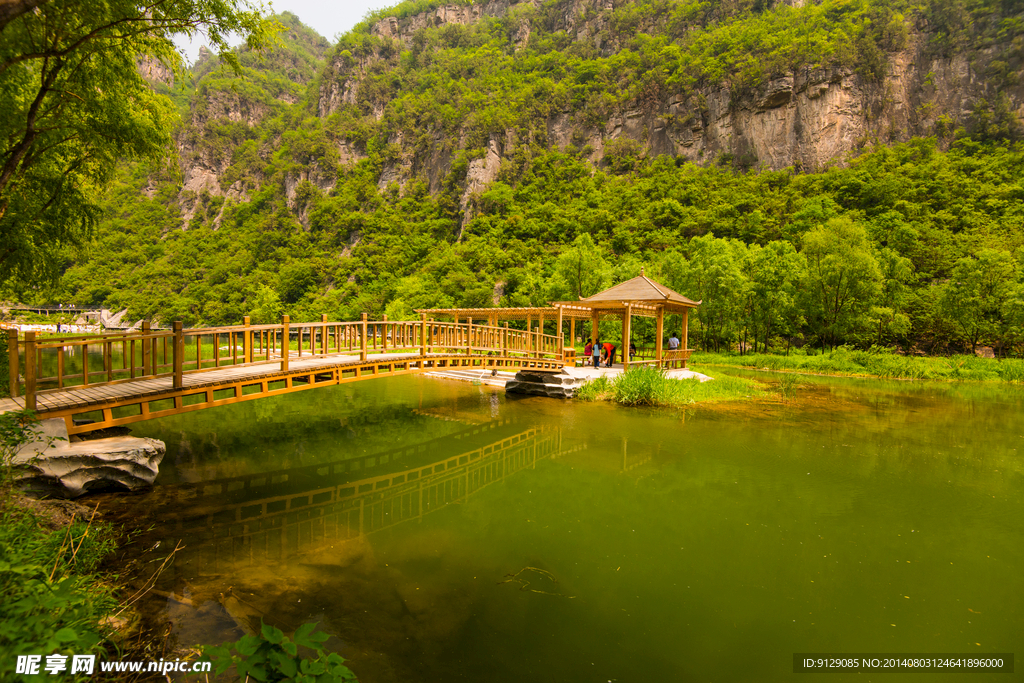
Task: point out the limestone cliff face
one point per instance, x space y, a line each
808 119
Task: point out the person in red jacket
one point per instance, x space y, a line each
587 351
609 354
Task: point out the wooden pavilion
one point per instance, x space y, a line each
640 296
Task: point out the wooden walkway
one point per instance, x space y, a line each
137 382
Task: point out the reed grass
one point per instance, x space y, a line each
844 361
648 386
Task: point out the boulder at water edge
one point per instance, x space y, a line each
52 466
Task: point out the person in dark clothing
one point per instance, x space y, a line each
632 351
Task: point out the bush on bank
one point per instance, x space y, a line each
649 386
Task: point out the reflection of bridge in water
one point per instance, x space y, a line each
275 515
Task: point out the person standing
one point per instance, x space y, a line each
673 342
596 353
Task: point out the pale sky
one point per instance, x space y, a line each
326 17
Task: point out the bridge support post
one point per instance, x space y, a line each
12 360
246 341
423 335
469 337
30 370
384 332
179 353
504 341
146 348
286 343
362 341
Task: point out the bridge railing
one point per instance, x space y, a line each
44 364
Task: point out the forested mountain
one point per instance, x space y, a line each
843 171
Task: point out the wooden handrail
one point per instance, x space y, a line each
168 353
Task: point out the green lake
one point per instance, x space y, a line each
442 531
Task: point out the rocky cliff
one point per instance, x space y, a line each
808 118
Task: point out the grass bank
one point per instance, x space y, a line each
55 599
647 386
850 362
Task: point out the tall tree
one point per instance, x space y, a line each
73 103
581 270
978 294
843 280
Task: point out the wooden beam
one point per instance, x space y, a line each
286 342
362 341
30 370
179 353
686 332
658 335
12 361
147 355
627 330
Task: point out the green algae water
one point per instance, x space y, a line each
441 531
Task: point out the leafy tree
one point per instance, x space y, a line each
713 275
581 270
73 104
978 294
843 280
266 307
775 272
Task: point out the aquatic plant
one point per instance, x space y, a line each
271 656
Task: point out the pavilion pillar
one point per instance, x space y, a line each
540 325
593 326
686 331
627 315
561 335
572 332
658 335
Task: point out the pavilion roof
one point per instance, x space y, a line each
640 289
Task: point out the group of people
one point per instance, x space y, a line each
595 353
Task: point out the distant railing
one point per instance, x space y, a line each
42 365
675 358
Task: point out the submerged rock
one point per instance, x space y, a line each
539 383
51 465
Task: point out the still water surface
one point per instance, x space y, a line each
446 532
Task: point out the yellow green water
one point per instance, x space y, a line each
442 531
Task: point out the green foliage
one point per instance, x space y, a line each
877 363
649 386
53 599
271 657
73 105
843 279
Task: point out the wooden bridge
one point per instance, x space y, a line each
106 380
